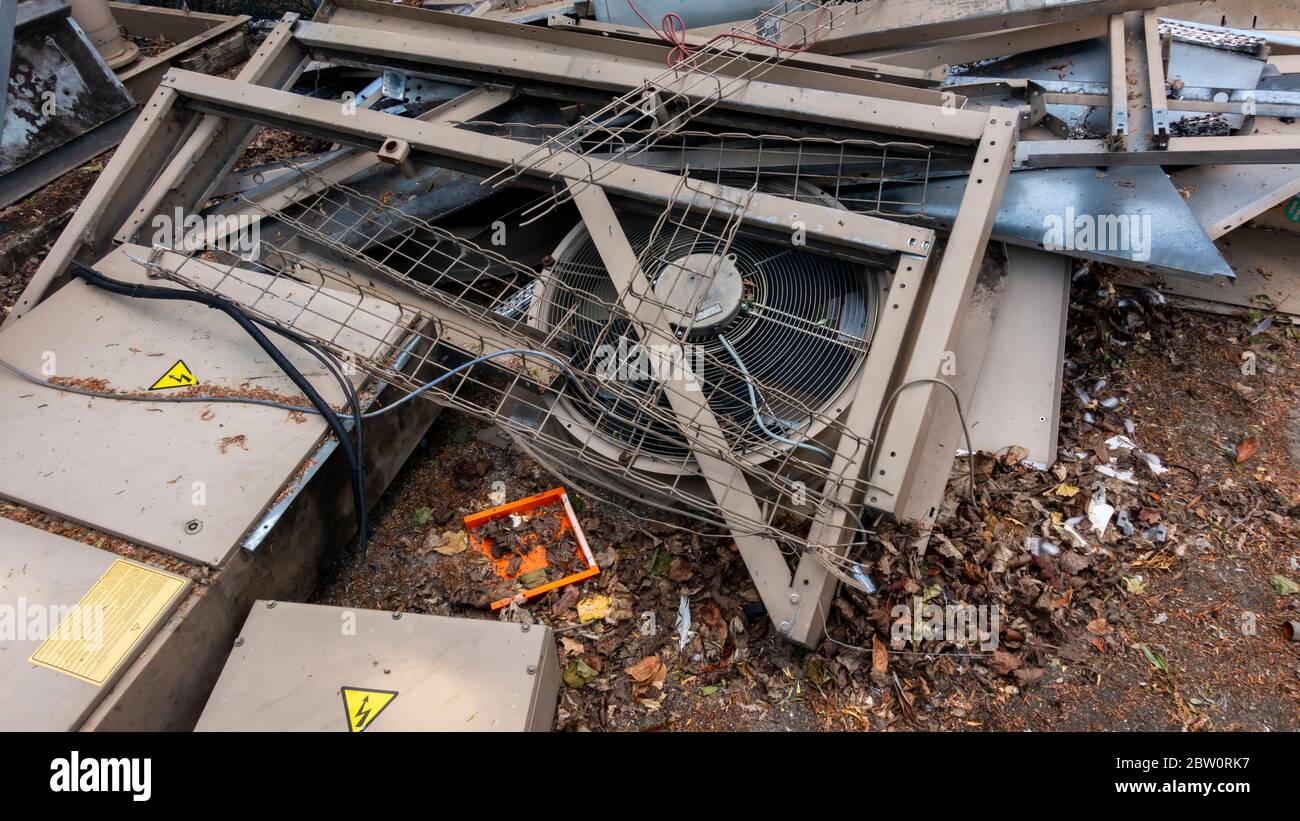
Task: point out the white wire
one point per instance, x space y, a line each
758 414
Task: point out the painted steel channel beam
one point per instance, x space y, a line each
813 586
906 111
878 24
1252 148
959 50
861 68
194 172
370 129
726 481
916 401
1118 81
1156 79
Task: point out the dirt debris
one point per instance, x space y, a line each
1139 626
78 532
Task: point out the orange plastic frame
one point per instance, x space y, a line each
535 559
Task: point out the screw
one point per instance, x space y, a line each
193 526
396 616
794 598
239 642
526 627
532 669
785 627
270 605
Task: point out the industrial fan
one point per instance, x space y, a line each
775 336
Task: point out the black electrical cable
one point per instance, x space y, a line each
355 468
331 363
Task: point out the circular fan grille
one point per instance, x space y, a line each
802 336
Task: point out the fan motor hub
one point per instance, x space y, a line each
700 293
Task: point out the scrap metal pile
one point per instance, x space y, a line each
773 275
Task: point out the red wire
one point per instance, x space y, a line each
673 32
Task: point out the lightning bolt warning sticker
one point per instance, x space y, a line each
177 376
362 707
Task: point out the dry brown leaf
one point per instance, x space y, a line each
1246 448
1029 675
879 661
680 571
447 543
1014 456
1002 662
649 671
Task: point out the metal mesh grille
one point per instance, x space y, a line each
857 174
696 79
471 301
803 324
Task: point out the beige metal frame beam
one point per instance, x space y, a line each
1250 148
214 147
1157 98
482 152
813 586
875 24
914 401
893 471
955 51
803 69
726 481
920 74
1118 83
874 107
295 184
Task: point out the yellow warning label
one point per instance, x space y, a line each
115 614
362 707
177 376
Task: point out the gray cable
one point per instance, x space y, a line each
961 417
271 403
758 414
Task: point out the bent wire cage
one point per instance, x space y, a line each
697 77
758 347
881 178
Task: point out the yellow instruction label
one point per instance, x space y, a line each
97 635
